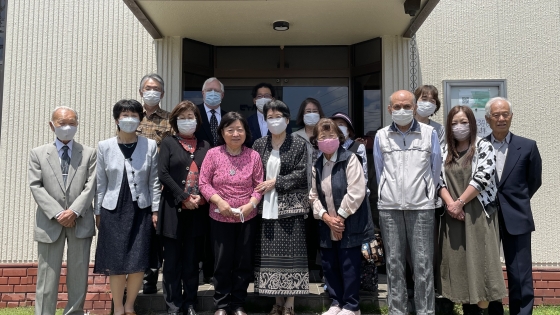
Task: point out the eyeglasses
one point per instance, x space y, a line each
152 88
232 131
399 106
504 114
264 96
214 90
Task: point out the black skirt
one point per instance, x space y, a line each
123 242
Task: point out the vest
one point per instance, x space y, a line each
358 226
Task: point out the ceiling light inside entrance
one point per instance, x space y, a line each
281 26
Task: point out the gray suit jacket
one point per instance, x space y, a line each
51 196
141 170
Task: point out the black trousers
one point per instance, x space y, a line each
233 261
341 267
207 253
519 265
180 271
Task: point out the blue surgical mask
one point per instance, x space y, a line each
213 98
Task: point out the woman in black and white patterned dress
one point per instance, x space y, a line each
281 255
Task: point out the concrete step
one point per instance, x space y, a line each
316 301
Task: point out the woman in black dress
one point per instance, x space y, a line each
128 193
183 213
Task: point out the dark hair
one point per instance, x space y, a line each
181 107
128 106
263 85
452 154
229 119
427 90
277 105
325 124
301 111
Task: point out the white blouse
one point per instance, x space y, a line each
270 199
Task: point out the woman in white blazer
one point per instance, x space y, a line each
128 194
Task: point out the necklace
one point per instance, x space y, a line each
233 168
128 145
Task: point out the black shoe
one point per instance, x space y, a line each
190 311
150 281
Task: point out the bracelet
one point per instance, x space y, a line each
461 201
254 205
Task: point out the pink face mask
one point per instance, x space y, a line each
328 146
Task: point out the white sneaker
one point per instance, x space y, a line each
349 312
333 310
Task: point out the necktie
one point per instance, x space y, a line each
214 127
64 163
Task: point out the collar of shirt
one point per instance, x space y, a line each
59 146
333 158
158 112
262 124
507 139
208 109
347 143
413 127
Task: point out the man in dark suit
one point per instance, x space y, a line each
262 93
212 94
211 114
518 172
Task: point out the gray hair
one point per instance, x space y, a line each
494 100
212 79
153 76
65 108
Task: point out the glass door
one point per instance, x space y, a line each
331 93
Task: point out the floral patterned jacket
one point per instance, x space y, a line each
483 174
291 183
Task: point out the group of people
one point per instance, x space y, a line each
251 201
483 186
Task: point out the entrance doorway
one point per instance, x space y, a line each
342 78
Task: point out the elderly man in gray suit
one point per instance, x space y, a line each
62 181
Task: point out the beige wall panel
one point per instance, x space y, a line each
82 54
395 69
170 64
517 41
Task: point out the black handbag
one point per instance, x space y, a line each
373 251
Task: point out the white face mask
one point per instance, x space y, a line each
129 124
65 133
151 98
402 117
311 119
186 126
461 131
344 131
261 102
276 125
425 109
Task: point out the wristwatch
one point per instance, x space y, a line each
254 205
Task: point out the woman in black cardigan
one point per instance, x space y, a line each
183 213
280 251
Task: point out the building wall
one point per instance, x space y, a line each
82 54
517 41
